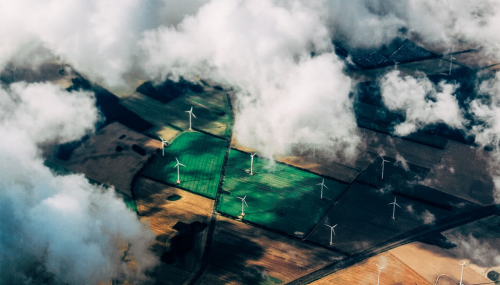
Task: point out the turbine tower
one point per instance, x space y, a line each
178 165
462 274
451 62
383 165
251 163
395 64
379 271
163 144
322 185
190 114
332 232
394 208
14 72
243 203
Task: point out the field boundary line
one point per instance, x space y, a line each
201 269
208 134
176 186
302 169
405 238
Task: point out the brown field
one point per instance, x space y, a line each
243 254
164 218
430 261
366 272
330 169
48 71
474 60
463 172
341 170
99 159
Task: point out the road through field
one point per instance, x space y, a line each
413 235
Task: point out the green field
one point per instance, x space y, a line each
283 198
203 156
212 110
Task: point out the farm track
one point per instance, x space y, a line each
211 226
413 235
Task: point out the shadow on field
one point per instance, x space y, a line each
231 257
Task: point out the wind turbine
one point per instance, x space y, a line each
462 274
251 162
243 203
379 271
395 64
14 72
163 143
178 165
322 185
190 114
394 208
332 232
383 165
451 62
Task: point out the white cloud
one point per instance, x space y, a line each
422 102
263 49
58 229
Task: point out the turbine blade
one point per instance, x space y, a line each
182 164
245 202
188 111
160 138
398 206
191 109
193 115
325 186
177 160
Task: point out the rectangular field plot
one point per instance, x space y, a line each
179 220
284 198
366 272
364 219
203 156
212 110
244 254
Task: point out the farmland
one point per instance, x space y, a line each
463 172
203 156
430 261
212 110
359 230
179 219
243 254
366 272
279 196
112 156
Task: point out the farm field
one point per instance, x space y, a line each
366 272
359 230
243 254
315 164
482 235
395 174
203 157
179 219
430 261
414 153
282 198
212 110
112 156
463 172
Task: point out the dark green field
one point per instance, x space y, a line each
283 198
203 156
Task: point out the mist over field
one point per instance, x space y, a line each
277 57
